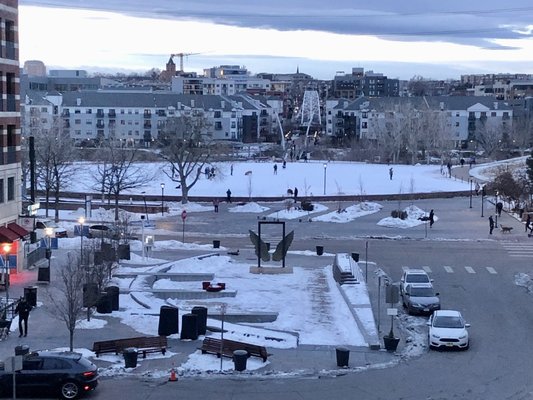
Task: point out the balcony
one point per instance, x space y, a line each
100 124
65 113
66 123
112 114
100 114
147 115
147 124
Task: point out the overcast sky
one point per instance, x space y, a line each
400 39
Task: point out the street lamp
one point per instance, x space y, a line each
470 193
81 220
496 205
162 198
49 232
7 248
325 169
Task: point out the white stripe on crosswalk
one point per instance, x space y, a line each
491 270
448 269
427 269
470 270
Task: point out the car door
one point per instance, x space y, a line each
30 379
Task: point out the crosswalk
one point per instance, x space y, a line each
522 250
455 269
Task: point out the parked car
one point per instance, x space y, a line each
420 298
42 224
66 374
104 231
413 276
447 328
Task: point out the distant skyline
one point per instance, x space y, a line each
400 39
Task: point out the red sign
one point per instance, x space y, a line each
183 215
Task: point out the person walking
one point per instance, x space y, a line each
295 194
391 172
491 225
499 208
528 222
231 169
228 196
477 188
431 218
215 204
23 310
275 169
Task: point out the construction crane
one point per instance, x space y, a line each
181 55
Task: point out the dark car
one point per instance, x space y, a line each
66 374
420 298
104 231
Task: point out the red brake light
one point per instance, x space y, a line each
89 374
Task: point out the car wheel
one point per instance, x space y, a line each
69 390
467 346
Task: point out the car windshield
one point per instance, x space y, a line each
421 292
418 278
448 322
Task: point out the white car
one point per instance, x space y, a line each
42 224
447 328
413 276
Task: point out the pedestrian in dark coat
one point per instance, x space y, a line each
491 225
295 194
499 208
390 173
275 169
215 204
23 310
228 196
431 218
528 222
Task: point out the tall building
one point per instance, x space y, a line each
11 232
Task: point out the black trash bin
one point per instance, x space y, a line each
201 319
113 293
22 350
319 250
43 274
130 357
216 244
90 294
168 321
239 359
189 327
30 294
103 305
343 356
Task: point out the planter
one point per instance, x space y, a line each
391 343
319 250
216 244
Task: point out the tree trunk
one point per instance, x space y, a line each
116 206
184 194
71 339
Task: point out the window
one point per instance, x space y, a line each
77 122
1 190
89 111
10 188
457 124
493 114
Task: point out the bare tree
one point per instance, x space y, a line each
54 153
418 86
186 147
119 172
68 306
489 133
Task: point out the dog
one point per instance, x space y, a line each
507 229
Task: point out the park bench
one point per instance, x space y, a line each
143 344
212 346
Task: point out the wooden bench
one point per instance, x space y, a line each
212 346
143 344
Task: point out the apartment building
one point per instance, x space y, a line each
361 83
12 233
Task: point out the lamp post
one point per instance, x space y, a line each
482 199
496 205
142 236
81 220
162 198
470 193
7 248
325 169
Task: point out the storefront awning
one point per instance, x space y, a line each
19 230
7 235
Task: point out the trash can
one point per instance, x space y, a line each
43 274
189 327
30 294
103 305
113 293
319 250
168 321
130 357
239 359
343 356
355 257
90 294
22 350
216 244
201 319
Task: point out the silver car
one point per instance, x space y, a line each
420 298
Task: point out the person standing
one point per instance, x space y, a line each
491 225
477 188
431 218
295 194
391 172
275 169
215 204
231 169
23 310
228 196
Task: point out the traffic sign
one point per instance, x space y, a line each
183 215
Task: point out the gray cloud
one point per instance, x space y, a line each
465 22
